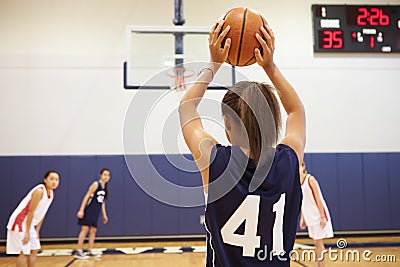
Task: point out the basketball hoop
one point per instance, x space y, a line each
179 74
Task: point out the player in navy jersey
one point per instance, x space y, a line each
92 204
252 187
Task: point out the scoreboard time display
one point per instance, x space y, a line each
356 28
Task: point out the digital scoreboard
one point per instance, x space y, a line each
356 28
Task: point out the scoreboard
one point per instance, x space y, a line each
356 28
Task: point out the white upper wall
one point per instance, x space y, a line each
61 82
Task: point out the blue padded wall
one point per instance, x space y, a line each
5 193
351 194
361 190
376 188
394 188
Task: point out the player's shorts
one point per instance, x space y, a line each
14 242
91 222
316 232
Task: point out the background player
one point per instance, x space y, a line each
26 220
314 213
88 214
278 198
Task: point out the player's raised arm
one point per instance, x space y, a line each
197 139
295 134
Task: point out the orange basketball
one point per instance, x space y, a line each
245 23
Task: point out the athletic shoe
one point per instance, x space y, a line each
80 255
93 254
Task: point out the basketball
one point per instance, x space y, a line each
245 23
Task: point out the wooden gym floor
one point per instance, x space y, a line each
374 248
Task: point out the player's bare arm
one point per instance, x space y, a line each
36 197
295 133
93 187
199 141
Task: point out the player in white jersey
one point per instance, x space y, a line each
314 213
26 220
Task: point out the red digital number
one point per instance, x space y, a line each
337 39
375 18
375 15
362 17
383 19
332 39
327 39
372 42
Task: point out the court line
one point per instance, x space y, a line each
69 263
302 264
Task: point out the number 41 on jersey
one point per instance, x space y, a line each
248 211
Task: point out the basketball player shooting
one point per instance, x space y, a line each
243 225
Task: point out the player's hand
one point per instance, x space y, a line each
80 214
105 219
323 222
267 42
219 52
26 239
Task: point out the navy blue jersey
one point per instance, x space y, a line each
251 228
93 207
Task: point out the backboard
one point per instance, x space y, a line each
158 55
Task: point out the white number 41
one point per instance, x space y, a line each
248 211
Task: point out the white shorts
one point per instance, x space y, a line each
15 246
316 232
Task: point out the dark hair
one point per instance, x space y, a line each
48 173
247 101
105 186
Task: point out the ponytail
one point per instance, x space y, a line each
106 185
257 107
252 120
106 191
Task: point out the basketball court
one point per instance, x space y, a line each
192 253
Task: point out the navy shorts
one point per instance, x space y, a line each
88 222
